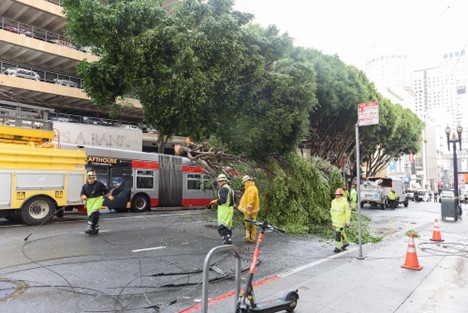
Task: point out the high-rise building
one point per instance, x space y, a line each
392 77
441 91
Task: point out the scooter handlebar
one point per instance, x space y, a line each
265 225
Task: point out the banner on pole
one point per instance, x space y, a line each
368 113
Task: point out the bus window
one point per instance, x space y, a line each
124 173
193 181
145 179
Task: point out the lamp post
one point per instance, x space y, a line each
453 138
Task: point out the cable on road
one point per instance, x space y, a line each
119 306
445 248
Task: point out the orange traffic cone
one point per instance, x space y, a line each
411 261
436 235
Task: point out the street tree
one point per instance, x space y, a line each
200 69
398 133
339 88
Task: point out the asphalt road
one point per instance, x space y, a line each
151 262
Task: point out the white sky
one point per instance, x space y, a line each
356 30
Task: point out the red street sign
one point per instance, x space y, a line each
368 113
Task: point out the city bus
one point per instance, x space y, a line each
150 179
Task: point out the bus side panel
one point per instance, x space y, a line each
5 190
75 183
197 187
170 181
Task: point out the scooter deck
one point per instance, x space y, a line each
271 306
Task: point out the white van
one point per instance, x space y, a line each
23 73
383 187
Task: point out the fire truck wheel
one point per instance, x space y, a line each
36 210
140 203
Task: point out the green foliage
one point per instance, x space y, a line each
200 69
353 231
339 88
295 194
298 193
399 132
412 231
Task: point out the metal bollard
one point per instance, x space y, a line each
206 270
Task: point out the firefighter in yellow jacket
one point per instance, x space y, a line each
250 205
340 216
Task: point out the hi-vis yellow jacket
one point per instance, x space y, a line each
392 195
340 212
250 203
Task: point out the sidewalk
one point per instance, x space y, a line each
342 283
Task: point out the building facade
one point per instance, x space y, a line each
38 78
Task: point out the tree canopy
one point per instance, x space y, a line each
200 69
398 133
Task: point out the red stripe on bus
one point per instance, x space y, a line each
154 203
195 202
145 164
192 169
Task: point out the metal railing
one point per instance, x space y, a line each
10 112
206 266
38 33
57 2
34 73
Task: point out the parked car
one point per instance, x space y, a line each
22 72
62 42
422 196
410 194
65 82
19 31
446 194
464 196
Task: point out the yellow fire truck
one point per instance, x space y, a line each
37 179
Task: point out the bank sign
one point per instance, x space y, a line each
99 136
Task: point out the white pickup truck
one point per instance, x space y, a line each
374 191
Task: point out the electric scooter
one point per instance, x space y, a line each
246 302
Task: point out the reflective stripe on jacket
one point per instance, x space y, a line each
353 195
226 208
340 212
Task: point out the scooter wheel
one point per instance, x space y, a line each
291 297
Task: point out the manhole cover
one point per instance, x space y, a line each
10 288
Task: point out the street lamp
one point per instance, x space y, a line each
454 139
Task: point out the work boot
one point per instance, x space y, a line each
89 230
227 240
345 246
95 230
337 250
92 230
